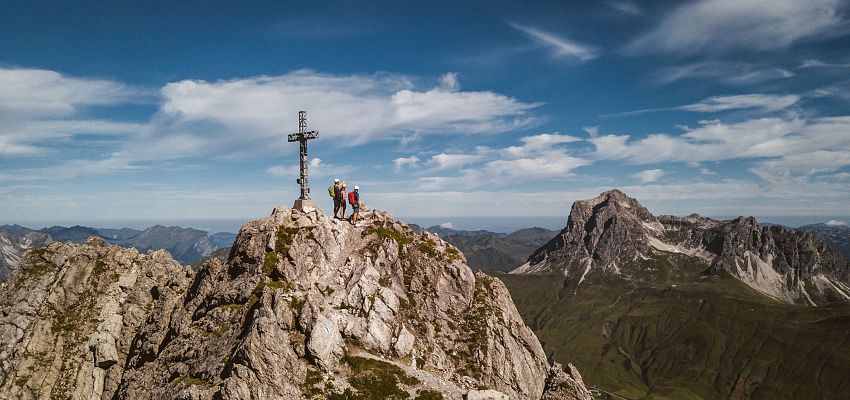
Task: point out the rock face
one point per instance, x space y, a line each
70 314
607 234
13 244
304 307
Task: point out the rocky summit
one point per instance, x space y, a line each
614 234
305 306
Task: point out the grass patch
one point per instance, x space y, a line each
399 237
429 248
428 395
270 262
374 379
191 381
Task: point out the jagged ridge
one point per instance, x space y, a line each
613 232
304 307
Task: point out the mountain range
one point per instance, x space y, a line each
668 307
491 250
305 306
187 245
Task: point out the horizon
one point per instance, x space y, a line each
162 111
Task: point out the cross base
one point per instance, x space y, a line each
304 205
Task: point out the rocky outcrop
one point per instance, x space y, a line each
71 312
13 244
305 306
614 234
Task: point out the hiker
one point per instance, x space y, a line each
354 200
342 201
333 190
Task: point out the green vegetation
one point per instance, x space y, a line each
191 381
284 238
428 395
429 248
374 379
667 333
270 262
388 233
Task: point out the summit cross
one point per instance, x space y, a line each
302 136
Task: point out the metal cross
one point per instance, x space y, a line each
302 137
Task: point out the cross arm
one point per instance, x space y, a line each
294 137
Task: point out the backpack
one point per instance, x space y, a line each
332 191
352 198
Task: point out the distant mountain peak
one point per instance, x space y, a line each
614 233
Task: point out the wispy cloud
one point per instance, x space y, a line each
713 26
560 47
757 102
37 107
730 73
649 175
625 7
813 63
717 141
355 108
541 157
835 222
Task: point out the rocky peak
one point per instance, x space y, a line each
305 306
613 234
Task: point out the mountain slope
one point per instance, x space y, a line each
498 251
304 307
14 241
836 236
688 308
613 231
186 245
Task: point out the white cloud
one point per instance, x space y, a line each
716 141
707 172
316 168
540 142
403 162
649 175
814 63
762 102
447 225
592 131
730 25
801 165
248 116
448 161
625 7
38 107
757 102
539 158
730 73
559 46
835 222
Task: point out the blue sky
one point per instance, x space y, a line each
180 110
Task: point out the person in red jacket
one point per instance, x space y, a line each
354 200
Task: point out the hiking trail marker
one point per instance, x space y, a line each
302 136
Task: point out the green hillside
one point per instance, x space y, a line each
668 333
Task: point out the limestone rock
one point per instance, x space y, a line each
305 306
608 233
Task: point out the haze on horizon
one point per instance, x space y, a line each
161 111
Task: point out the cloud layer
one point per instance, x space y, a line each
731 25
